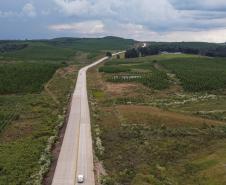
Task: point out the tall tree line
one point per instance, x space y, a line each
210 50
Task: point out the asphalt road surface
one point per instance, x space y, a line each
76 155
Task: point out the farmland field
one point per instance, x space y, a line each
199 74
141 71
25 136
36 81
24 77
161 136
39 51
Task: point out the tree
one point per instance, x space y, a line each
132 53
109 54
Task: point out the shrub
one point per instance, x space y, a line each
113 69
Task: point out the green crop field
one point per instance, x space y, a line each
24 77
113 69
168 135
29 123
39 51
156 120
135 70
36 81
198 74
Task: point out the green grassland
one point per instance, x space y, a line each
152 136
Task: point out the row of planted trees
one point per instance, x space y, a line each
217 51
156 80
11 47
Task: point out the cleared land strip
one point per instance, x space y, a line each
76 155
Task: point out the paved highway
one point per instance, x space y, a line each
76 155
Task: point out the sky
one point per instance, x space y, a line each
144 20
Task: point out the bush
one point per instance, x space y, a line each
113 69
109 54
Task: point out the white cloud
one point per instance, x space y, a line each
130 30
76 7
29 10
141 33
137 10
158 15
214 35
139 19
45 12
151 19
5 14
86 27
217 5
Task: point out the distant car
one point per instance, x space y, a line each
80 178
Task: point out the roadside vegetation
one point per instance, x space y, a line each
160 136
29 121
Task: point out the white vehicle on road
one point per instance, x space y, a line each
80 178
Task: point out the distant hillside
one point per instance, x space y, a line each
105 43
61 48
5 47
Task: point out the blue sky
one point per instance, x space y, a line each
162 20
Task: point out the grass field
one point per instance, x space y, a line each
167 136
